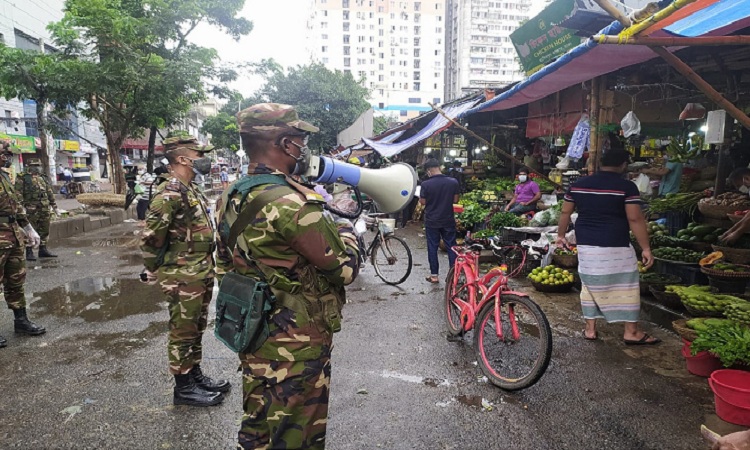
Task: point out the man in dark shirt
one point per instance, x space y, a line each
438 194
457 172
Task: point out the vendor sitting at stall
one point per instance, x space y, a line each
525 195
740 179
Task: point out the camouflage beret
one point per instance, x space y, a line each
188 142
270 117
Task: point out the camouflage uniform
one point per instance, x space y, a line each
179 231
307 261
37 196
12 260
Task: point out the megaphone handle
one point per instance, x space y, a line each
348 215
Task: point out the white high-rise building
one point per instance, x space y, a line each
478 52
397 46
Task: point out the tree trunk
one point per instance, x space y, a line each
41 119
151 148
116 175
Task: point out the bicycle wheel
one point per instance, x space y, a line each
452 311
391 258
509 363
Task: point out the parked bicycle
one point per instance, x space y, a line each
518 258
390 255
512 337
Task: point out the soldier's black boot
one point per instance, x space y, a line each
30 254
3 342
44 253
208 383
23 325
187 392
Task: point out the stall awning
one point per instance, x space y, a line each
589 60
438 124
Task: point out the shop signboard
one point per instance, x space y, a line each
541 40
69 146
20 144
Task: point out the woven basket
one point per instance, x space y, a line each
668 299
711 272
553 288
646 285
716 211
569 261
697 313
698 246
734 255
682 329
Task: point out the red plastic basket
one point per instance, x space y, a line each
732 402
702 364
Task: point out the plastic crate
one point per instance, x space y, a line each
676 221
509 237
689 274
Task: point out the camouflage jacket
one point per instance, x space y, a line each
293 241
12 215
178 219
35 192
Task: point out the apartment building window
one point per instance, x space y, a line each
344 3
403 113
416 64
381 32
417 30
380 44
361 39
439 18
417 18
380 10
381 67
346 26
415 100
417 86
324 36
416 42
347 63
323 24
346 39
346 15
347 50
325 13
438 30
362 74
437 52
417 6
416 53
324 49
372 38
416 76
347 71
380 78
437 5
325 60
436 100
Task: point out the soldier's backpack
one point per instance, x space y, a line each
243 303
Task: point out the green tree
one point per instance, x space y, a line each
130 57
223 130
330 100
33 75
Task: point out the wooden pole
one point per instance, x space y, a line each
489 144
663 14
702 85
614 12
673 41
593 123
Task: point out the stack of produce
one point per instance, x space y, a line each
721 205
551 276
657 229
701 233
547 218
700 299
686 202
472 215
738 311
675 254
727 340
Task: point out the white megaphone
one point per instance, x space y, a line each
391 188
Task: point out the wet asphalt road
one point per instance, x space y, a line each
98 378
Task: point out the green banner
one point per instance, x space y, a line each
540 40
20 144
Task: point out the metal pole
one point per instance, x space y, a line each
673 41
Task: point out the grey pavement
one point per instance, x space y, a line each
98 378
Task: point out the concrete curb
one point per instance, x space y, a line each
83 223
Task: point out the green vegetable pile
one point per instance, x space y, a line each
472 215
729 341
684 202
738 311
700 233
678 254
505 219
656 278
700 298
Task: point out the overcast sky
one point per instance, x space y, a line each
278 32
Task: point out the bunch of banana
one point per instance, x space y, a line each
684 151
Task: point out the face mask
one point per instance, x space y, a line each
744 189
522 178
303 161
201 166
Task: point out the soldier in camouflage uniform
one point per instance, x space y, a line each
307 259
38 197
178 245
14 229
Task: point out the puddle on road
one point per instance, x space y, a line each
121 345
99 299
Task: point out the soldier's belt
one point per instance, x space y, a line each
7 219
198 247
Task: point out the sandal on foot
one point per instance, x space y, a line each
595 338
433 280
642 341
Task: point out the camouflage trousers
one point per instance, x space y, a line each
40 219
13 276
188 294
285 403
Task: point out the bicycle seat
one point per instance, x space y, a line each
477 247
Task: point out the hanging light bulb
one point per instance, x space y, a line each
452 153
477 151
484 148
559 142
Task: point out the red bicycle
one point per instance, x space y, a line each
512 336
